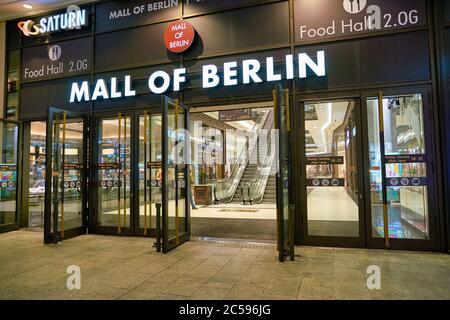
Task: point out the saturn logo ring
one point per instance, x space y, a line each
29 28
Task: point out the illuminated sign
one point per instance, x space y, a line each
74 18
160 81
179 36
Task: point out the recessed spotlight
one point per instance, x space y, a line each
27 6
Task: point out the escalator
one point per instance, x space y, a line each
258 181
227 189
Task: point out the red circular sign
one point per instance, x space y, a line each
179 36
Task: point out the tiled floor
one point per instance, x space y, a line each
129 268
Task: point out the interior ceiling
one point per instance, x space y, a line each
320 132
12 9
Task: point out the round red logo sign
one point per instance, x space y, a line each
179 36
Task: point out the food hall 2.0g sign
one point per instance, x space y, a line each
329 19
56 60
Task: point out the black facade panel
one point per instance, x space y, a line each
446 11
243 29
139 84
115 15
388 59
195 92
193 97
12 35
37 97
202 7
61 35
131 47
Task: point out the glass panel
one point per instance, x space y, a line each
176 174
114 156
406 182
150 170
71 186
8 172
331 168
36 190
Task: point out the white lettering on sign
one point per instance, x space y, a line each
74 18
142 9
160 81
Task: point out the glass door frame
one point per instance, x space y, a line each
49 236
180 237
434 204
353 242
284 181
94 173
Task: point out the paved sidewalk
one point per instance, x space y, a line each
129 268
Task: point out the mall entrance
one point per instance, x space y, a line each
155 172
134 182
366 164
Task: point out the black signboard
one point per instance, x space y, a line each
158 183
311 161
154 183
154 165
7 167
406 181
73 166
71 184
110 183
108 166
405 158
235 115
325 182
57 60
8 184
114 15
192 7
325 19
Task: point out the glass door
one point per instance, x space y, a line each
332 163
285 212
175 174
150 171
65 185
113 174
400 161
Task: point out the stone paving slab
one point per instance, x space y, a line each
129 268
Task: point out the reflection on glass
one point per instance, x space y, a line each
8 172
406 184
331 168
150 170
114 163
176 174
36 190
71 185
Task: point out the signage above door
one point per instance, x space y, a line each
73 19
179 36
324 19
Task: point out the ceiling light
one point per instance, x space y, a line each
27 6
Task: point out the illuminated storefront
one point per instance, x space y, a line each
356 90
